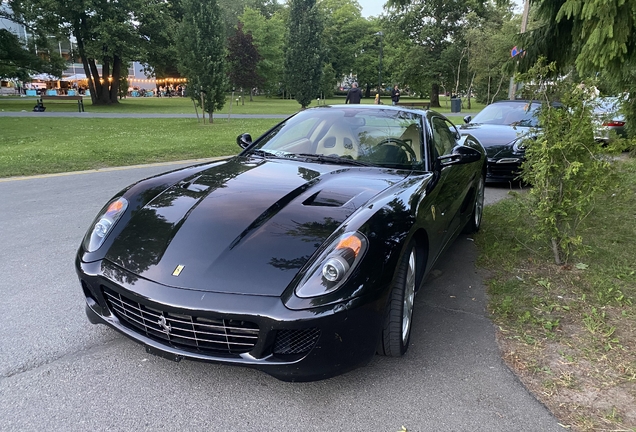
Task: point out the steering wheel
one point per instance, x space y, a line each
401 144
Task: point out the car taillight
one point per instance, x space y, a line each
614 123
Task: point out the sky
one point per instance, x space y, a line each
371 7
374 7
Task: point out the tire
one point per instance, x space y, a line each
474 222
398 318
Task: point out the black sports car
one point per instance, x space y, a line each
301 256
501 127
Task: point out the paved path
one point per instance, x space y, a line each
131 115
58 372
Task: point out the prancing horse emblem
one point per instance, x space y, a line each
164 325
177 271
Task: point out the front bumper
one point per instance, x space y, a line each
256 331
503 169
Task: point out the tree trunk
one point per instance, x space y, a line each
242 97
556 252
435 96
367 92
498 88
470 89
96 82
104 95
80 25
114 85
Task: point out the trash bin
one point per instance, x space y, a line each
456 105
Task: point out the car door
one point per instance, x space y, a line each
452 181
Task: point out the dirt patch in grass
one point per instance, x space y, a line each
574 355
584 394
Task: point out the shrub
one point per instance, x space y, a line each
565 165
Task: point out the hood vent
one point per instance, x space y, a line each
193 186
329 198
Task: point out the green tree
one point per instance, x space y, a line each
201 48
366 64
435 25
107 33
351 44
489 53
593 36
242 59
160 24
344 27
304 55
232 10
563 162
328 82
268 34
19 61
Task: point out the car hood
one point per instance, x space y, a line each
246 226
495 138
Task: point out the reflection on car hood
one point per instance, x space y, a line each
494 138
246 226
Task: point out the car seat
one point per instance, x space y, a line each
339 140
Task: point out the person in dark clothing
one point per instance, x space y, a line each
354 95
395 95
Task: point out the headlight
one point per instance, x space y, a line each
105 223
333 266
521 144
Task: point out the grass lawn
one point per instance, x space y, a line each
178 105
51 145
569 332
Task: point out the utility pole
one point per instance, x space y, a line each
524 25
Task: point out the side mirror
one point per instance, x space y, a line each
467 119
460 155
244 140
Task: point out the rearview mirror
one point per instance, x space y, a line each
467 119
244 140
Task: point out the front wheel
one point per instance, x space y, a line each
473 224
398 319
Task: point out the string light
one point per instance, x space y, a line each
159 81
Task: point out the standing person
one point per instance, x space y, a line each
395 95
354 95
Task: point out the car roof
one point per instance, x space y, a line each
374 107
526 101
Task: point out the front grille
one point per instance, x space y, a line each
192 333
296 341
510 170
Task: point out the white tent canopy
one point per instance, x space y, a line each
76 77
44 77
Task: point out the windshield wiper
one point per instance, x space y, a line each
262 153
328 159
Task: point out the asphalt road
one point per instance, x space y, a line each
58 372
31 114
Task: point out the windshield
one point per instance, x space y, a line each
509 113
609 105
369 136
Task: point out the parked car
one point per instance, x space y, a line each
501 128
608 119
301 256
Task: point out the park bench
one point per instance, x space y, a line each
79 99
413 104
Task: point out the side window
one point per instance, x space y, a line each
443 138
